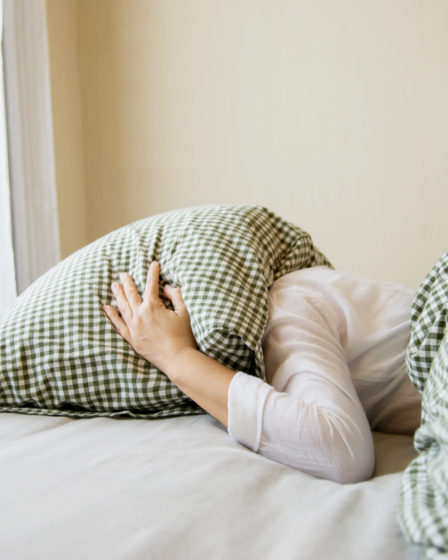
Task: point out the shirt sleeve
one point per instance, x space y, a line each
309 417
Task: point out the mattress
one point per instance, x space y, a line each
132 489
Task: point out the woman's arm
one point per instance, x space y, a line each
311 417
311 421
164 337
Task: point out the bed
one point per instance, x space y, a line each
132 489
102 457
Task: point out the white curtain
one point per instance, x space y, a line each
34 212
7 276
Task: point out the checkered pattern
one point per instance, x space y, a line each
59 354
423 511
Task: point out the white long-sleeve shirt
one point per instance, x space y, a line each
334 352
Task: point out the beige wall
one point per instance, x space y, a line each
333 113
67 122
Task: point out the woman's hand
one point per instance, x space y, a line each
164 337
155 332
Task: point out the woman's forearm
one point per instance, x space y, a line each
203 379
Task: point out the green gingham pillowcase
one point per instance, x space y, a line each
59 354
423 509
429 320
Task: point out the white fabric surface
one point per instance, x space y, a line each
31 151
180 488
104 489
335 357
7 279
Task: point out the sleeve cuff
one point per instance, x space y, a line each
246 398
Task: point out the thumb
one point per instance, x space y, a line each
175 296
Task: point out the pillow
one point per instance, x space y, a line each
423 509
60 355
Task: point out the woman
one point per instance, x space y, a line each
335 367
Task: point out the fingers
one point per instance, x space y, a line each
175 296
128 299
130 289
152 282
117 321
122 301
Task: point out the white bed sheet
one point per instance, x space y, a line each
181 488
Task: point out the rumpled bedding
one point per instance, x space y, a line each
181 489
423 508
